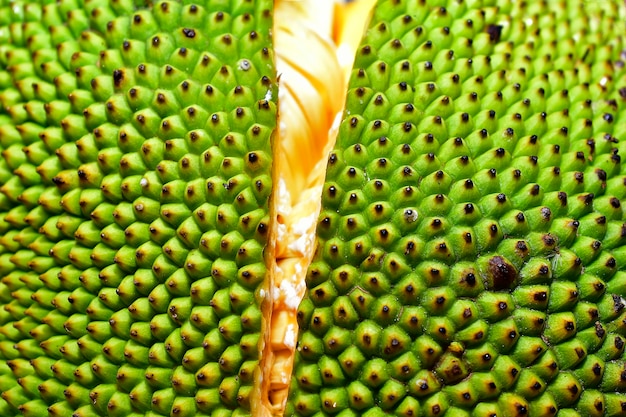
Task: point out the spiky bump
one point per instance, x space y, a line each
129 135
480 152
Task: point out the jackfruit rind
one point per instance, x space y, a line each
474 200
134 188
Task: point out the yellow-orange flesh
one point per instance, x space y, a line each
315 42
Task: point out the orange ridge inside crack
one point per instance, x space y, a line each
315 43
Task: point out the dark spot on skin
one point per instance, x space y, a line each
535 190
579 177
503 274
615 203
600 332
118 77
610 263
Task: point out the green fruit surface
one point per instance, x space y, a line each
134 191
471 245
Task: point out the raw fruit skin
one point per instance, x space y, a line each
135 179
470 243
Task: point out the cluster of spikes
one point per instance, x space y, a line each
470 250
136 175
472 240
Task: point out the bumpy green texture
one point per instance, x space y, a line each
134 186
471 246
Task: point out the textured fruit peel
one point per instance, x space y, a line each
171 186
471 235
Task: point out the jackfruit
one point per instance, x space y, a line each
470 239
136 183
164 163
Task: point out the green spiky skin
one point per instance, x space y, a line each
473 208
132 134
